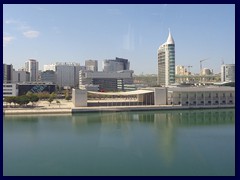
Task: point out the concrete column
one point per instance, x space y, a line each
79 98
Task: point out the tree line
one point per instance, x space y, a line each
33 98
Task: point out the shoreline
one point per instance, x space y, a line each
75 110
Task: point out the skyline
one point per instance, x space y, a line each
75 33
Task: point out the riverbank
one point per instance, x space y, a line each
66 107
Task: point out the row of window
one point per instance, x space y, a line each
7 86
7 92
202 102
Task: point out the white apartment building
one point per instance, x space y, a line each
67 74
32 67
228 73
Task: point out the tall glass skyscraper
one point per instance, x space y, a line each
166 62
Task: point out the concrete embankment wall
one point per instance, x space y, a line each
106 109
143 108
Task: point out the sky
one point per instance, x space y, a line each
77 32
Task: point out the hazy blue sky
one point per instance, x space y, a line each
74 33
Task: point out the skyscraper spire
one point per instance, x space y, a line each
170 38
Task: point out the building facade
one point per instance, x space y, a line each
10 89
24 88
117 64
7 73
91 65
228 73
48 76
166 62
32 67
176 97
106 81
67 73
21 76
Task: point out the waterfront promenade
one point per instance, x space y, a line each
42 107
66 107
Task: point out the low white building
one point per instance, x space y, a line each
175 96
201 96
10 89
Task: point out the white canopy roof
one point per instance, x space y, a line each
128 93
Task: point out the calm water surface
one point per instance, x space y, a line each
171 143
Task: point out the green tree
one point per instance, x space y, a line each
43 95
8 99
32 97
11 99
22 100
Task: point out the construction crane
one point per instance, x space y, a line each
201 65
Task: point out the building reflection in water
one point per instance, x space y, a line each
120 131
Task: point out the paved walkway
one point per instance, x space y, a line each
41 107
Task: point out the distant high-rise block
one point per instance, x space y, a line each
7 73
32 67
91 65
166 62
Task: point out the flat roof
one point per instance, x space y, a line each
128 93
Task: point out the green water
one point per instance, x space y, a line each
169 143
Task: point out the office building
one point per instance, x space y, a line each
35 87
31 66
48 76
106 81
91 65
67 73
21 76
166 62
7 73
118 64
228 73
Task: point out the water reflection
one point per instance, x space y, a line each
160 118
135 143
122 130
